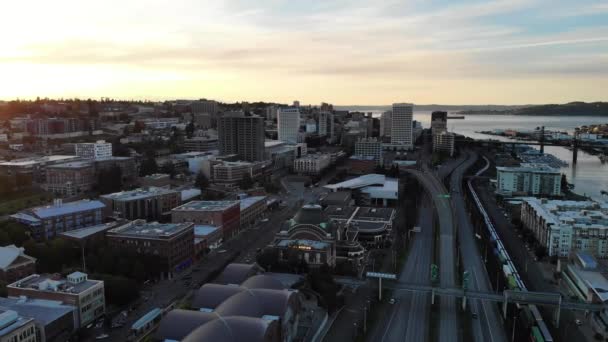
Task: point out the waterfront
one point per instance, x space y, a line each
589 176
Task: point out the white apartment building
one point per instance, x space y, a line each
529 179
324 118
443 142
96 150
288 122
311 164
369 147
401 125
385 123
567 226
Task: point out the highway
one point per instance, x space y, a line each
488 325
408 317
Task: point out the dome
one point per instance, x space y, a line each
235 329
262 281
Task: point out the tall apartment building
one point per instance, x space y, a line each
242 135
369 147
172 242
439 122
312 164
204 106
324 122
401 125
271 112
443 142
529 179
223 214
96 150
76 289
200 144
150 204
70 179
46 222
289 124
385 123
567 226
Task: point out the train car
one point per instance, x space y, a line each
146 324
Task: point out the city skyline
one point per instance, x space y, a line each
346 53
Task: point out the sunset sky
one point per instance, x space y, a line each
346 52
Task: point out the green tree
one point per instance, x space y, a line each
148 166
109 180
246 182
201 181
190 130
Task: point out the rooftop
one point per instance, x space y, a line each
206 206
594 280
303 244
53 283
580 214
11 253
43 212
11 320
41 310
138 194
143 229
72 165
530 167
83 233
204 230
249 201
38 160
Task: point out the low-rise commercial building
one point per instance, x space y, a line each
369 147
16 328
46 222
76 289
99 149
150 204
312 164
155 180
54 321
172 242
529 179
371 189
585 280
70 179
563 227
206 237
15 264
230 173
223 214
252 208
371 226
33 168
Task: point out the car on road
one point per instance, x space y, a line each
102 336
578 322
391 301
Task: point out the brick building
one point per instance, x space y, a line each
150 204
70 179
224 214
173 242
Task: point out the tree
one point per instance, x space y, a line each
148 166
246 182
540 252
201 181
169 169
190 130
109 180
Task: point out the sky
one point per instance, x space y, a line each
345 52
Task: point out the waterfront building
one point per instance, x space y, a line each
563 227
529 179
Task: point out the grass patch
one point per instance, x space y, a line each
23 201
